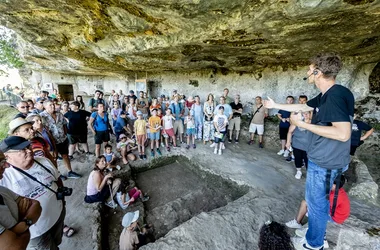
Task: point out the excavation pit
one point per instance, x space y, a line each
178 190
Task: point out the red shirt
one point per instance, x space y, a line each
342 210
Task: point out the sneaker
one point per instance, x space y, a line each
118 167
286 153
215 151
293 224
158 151
212 145
145 198
261 145
223 147
62 177
281 152
188 147
111 204
251 142
298 175
141 157
71 157
300 243
236 141
73 175
144 157
229 140
301 232
152 153
119 201
183 142
162 145
288 159
168 149
194 146
89 153
219 152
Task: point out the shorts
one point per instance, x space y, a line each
190 131
353 150
217 140
256 127
234 122
63 148
178 127
74 139
141 139
102 136
284 133
154 136
170 132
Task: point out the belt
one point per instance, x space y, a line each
237 116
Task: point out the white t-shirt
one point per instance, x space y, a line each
8 208
189 122
168 120
220 121
24 186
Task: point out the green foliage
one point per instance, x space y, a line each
6 115
8 54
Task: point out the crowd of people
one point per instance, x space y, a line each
315 134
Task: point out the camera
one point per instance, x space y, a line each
62 192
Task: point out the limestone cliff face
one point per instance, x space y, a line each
244 36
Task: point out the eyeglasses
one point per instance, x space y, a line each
22 107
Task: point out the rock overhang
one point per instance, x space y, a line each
246 36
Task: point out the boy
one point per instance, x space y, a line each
140 132
111 158
342 210
167 123
190 129
128 237
220 124
125 149
284 116
154 135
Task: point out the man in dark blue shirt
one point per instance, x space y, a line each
329 148
356 137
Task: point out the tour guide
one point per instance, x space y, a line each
329 148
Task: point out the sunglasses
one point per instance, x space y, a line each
22 107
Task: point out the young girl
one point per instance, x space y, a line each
111 158
220 124
115 112
140 132
190 129
125 198
79 99
125 148
167 123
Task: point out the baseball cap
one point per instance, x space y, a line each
13 142
122 136
15 123
40 99
139 113
129 218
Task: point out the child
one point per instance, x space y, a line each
115 112
140 132
162 138
110 158
125 198
190 129
167 123
128 237
125 149
273 235
154 127
220 124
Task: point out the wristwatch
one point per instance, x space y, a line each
28 222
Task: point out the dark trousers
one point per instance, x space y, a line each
300 158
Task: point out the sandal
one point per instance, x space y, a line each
68 231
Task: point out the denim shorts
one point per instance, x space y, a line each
190 131
154 136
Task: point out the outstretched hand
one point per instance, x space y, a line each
269 104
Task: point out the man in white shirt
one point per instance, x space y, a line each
35 178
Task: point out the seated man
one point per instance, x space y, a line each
17 214
36 178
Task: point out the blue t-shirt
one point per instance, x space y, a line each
100 124
284 114
227 109
108 157
176 110
120 124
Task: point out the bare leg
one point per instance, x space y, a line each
97 149
131 157
188 140
72 148
260 138
157 143
85 147
302 211
193 139
237 134
283 143
67 162
252 136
